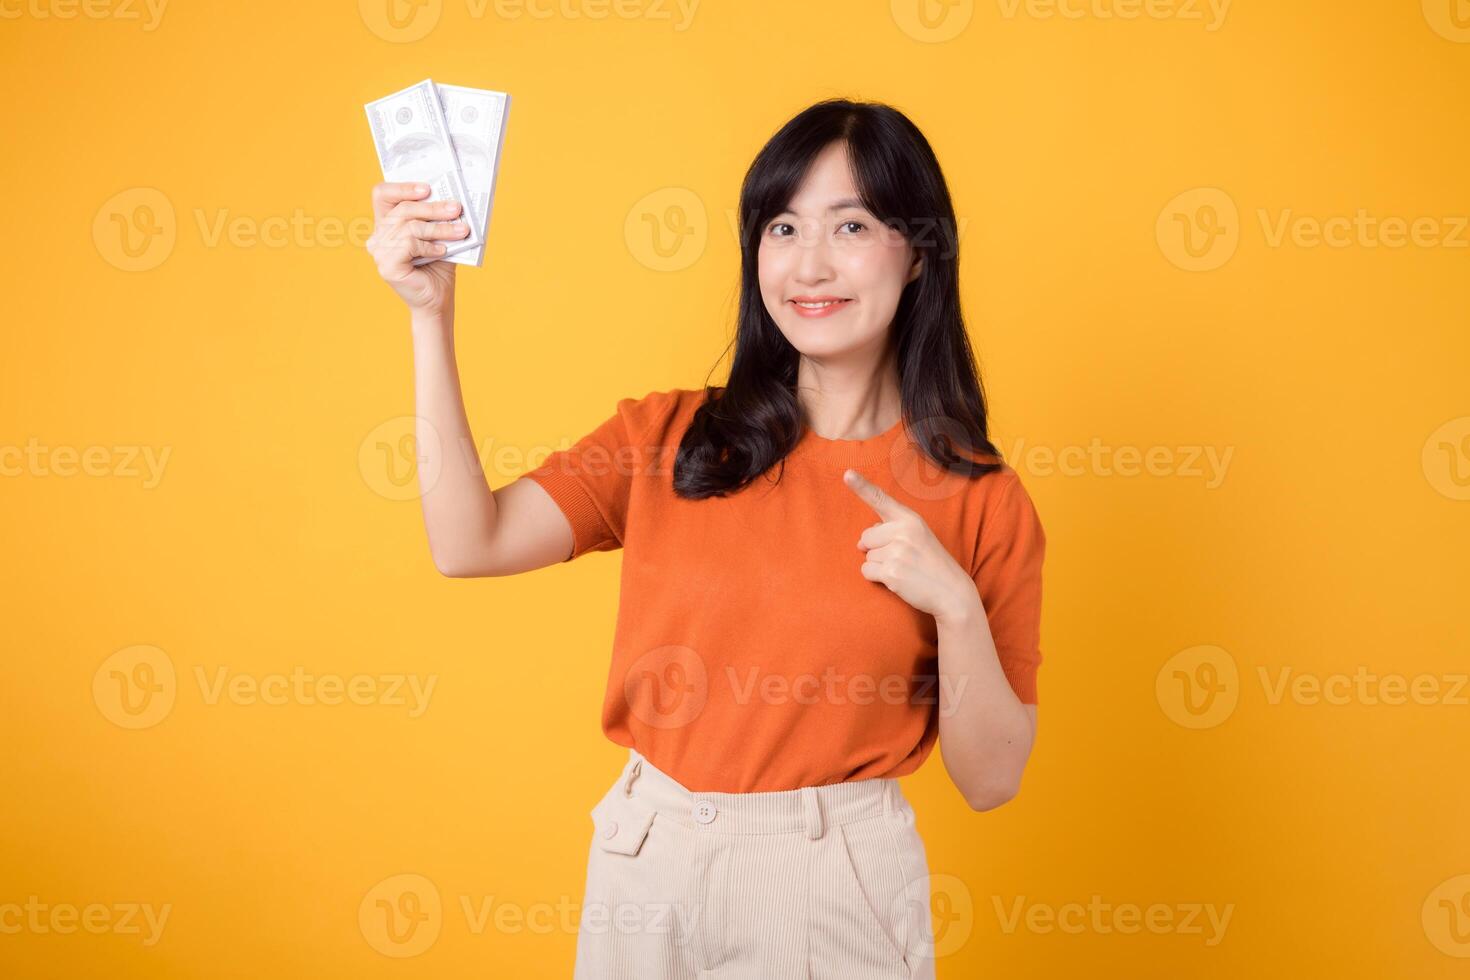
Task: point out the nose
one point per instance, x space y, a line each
814 261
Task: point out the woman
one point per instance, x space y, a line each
827 568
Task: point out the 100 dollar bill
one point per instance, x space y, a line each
413 143
476 119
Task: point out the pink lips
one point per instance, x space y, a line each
834 303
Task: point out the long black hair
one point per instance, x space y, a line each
755 419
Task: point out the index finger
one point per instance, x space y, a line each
873 495
389 193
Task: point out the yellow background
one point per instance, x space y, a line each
1335 375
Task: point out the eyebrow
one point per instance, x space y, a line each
846 202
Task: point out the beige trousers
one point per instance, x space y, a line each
818 883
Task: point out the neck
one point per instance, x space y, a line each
849 402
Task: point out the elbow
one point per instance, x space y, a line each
993 794
467 556
452 568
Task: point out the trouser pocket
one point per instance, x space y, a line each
872 886
620 822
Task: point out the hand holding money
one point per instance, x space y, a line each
440 152
439 147
407 227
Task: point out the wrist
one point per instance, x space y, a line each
432 322
966 611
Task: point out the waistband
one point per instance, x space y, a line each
809 808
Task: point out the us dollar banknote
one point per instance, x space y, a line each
413 143
477 119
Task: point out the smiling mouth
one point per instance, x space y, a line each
818 304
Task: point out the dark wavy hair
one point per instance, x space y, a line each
751 423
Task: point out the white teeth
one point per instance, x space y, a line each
819 306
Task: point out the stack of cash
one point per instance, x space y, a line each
450 138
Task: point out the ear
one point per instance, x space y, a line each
916 268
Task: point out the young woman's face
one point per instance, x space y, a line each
827 248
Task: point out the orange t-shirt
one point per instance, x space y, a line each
750 653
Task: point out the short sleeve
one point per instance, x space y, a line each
1007 575
592 481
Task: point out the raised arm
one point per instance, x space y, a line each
473 531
